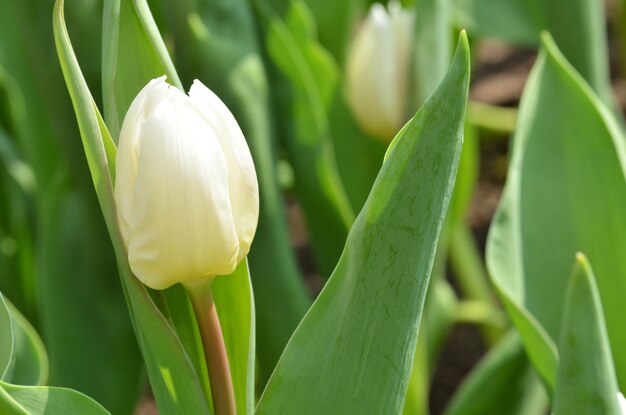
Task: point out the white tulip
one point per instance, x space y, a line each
186 188
622 402
377 69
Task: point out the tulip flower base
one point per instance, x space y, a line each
214 348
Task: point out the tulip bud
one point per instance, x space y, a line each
377 70
186 188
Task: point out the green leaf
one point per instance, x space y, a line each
7 342
175 382
503 382
31 360
353 351
565 193
32 400
40 400
132 54
312 76
23 358
586 382
579 30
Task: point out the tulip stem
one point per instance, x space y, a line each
214 349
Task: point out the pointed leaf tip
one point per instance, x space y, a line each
549 47
462 47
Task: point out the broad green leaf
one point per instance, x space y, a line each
40 400
132 54
32 400
353 351
579 30
175 383
31 360
22 355
217 42
7 342
503 382
565 193
586 382
578 27
312 76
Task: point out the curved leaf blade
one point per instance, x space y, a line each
31 360
7 342
41 400
353 351
586 382
565 193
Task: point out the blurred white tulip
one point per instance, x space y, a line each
378 69
186 188
622 402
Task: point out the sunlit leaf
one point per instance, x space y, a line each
7 342
565 193
41 400
31 360
586 382
354 349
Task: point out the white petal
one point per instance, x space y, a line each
370 74
128 147
242 180
622 402
377 68
181 225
